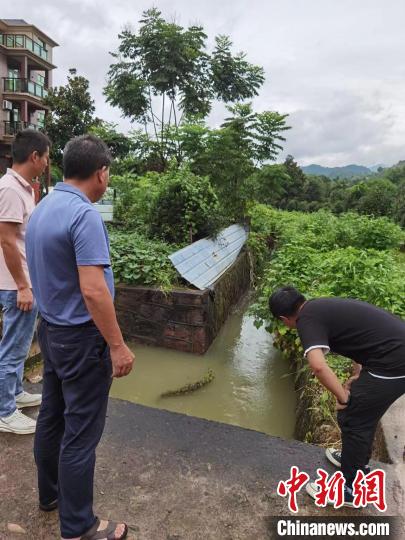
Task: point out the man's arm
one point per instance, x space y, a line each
326 376
12 257
100 305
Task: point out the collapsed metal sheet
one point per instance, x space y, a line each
204 261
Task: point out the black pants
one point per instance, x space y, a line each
370 398
77 379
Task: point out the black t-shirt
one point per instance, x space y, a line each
368 335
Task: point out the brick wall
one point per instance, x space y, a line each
182 319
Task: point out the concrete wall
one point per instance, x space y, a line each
182 319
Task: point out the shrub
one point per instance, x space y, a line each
134 198
185 209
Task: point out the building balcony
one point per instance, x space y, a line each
12 128
21 41
24 86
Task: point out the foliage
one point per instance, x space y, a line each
163 73
72 110
119 144
229 155
185 209
56 174
398 210
135 197
378 197
138 260
379 194
324 255
257 132
324 231
267 184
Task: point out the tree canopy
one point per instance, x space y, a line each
164 74
72 113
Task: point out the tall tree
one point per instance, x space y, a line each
72 113
163 74
294 186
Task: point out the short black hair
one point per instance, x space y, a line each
28 141
285 302
84 155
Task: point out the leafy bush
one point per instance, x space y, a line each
135 196
138 260
185 209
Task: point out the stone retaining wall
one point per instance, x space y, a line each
182 319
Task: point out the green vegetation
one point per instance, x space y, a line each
166 61
72 113
324 255
138 260
288 188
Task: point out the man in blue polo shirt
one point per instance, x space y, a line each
81 342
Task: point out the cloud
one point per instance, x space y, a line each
335 66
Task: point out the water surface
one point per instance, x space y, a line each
251 388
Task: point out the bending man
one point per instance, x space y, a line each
375 340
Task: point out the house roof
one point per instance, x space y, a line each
23 23
204 261
15 22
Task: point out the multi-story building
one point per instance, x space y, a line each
25 76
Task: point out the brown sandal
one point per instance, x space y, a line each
108 532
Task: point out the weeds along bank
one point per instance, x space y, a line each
323 255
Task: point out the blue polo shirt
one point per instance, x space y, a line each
65 231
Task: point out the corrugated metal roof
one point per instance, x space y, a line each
204 261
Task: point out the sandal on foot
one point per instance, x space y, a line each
49 507
107 533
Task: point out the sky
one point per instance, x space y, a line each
335 66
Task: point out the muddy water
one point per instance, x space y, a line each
251 388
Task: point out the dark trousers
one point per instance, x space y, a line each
370 398
77 379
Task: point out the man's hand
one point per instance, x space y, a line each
25 299
348 384
339 406
122 359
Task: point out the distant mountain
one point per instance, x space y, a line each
375 168
333 172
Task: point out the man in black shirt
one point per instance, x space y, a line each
375 340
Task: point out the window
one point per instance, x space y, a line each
19 41
13 73
40 119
